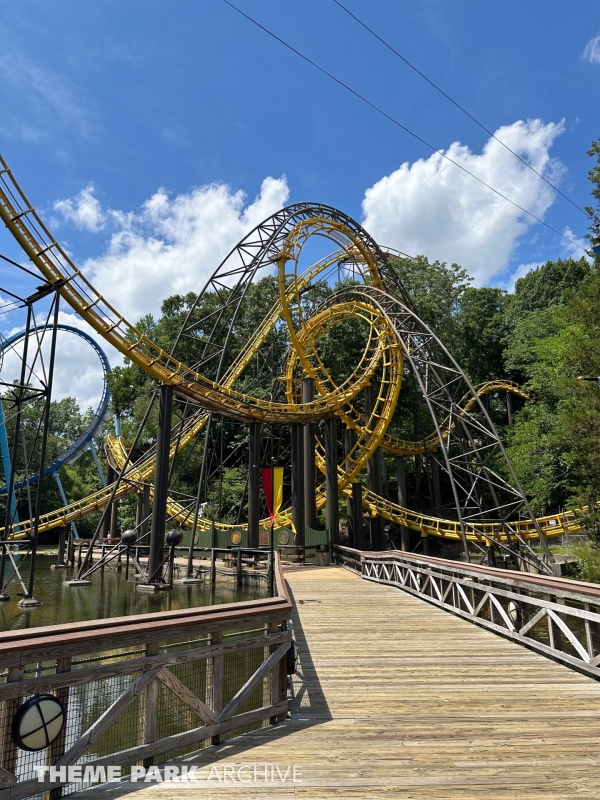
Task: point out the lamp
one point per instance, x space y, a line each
38 722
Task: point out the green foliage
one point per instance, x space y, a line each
588 557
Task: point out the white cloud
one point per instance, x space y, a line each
577 247
592 50
432 207
84 210
77 372
172 244
50 96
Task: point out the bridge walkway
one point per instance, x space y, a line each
397 698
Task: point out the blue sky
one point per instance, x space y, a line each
145 131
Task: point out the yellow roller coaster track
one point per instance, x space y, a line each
382 352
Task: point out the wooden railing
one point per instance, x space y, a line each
144 687
556 616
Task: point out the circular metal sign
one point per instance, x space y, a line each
38 722
236 537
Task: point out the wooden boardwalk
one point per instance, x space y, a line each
396 698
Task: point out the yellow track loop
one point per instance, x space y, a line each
382 352
42 249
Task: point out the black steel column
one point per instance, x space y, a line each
253 484
310 477
110 479
114 519
437 490
30 600
331 480
298 519
373 475
161 485
349 442
402 501
357 516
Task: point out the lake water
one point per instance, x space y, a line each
108 596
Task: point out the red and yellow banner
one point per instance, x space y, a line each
272 478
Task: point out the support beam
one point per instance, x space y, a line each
402 501
161 485
373 473
310 476
298 519
437 489
253 484
349 442
110 478
357 516
331 480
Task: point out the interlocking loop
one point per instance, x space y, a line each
461 436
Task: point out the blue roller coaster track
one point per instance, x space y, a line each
83 442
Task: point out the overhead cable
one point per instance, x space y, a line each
400 125
461 108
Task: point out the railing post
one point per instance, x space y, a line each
553 634
239 567
57 748
8 751
149 707
213 565
214 681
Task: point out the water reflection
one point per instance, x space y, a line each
108 596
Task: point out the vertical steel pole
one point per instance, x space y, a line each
310 476
254 484
298 519
437 489
402 501
190 563
331 482
349 442
30 600
357 516
373 474
272 534
161 484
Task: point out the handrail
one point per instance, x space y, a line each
16 645
226 664
558 617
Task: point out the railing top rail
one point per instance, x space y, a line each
229 614
553 585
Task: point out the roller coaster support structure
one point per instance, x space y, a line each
4 450
63 497
331 481
29 599
349 442
310 472
374 475
92 450
402 500
298 519
254 483
161 489
357 516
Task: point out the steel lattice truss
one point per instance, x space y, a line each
457 431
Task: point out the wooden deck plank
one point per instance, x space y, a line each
396 698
